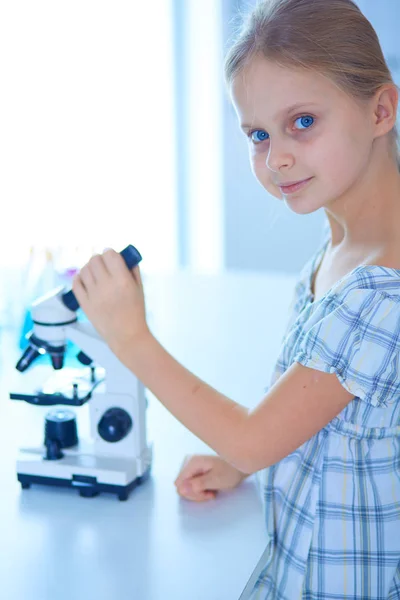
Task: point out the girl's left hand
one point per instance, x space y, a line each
112 298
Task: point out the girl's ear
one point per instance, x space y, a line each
385 109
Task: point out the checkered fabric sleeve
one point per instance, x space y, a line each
357 337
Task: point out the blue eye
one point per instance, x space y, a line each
305 122
258 136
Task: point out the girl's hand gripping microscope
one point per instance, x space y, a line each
117 457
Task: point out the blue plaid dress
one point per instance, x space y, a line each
333 506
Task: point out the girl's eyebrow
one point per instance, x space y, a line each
286 111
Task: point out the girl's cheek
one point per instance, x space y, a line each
264 177
258 149
257 157
258 165
255 166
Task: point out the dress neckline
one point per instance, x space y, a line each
316 263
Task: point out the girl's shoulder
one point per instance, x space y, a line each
354 331
378 276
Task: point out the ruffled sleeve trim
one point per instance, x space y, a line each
357 337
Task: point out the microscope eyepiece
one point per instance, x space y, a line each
131 256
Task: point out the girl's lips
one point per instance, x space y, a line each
294 187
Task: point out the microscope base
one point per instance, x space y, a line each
87 473
86 489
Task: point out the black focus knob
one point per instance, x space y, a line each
114 425
60 425
53 450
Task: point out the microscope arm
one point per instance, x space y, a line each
85 336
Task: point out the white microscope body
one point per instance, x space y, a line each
117 455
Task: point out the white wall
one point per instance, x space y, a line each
385 18
202 135
87 144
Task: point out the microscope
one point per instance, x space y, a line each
116 456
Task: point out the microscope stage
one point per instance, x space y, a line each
68 386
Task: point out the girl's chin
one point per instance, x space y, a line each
301 205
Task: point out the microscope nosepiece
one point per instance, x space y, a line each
37 347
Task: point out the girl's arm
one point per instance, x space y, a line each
300 404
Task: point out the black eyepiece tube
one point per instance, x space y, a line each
131 256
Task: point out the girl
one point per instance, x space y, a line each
316 100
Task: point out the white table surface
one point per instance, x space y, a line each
54 544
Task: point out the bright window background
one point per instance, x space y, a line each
87 144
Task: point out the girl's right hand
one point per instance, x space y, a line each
202 476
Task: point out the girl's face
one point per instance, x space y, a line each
301 128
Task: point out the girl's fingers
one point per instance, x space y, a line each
86 277
193 466
183 472
137 276
196 488
189 472
98 266
197 497
203 483
78 287
113 261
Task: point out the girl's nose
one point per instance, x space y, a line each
278 158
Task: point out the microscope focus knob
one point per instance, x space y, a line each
60 431
114 425
61 425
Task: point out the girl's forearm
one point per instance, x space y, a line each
210 415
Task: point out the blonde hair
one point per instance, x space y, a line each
332 37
